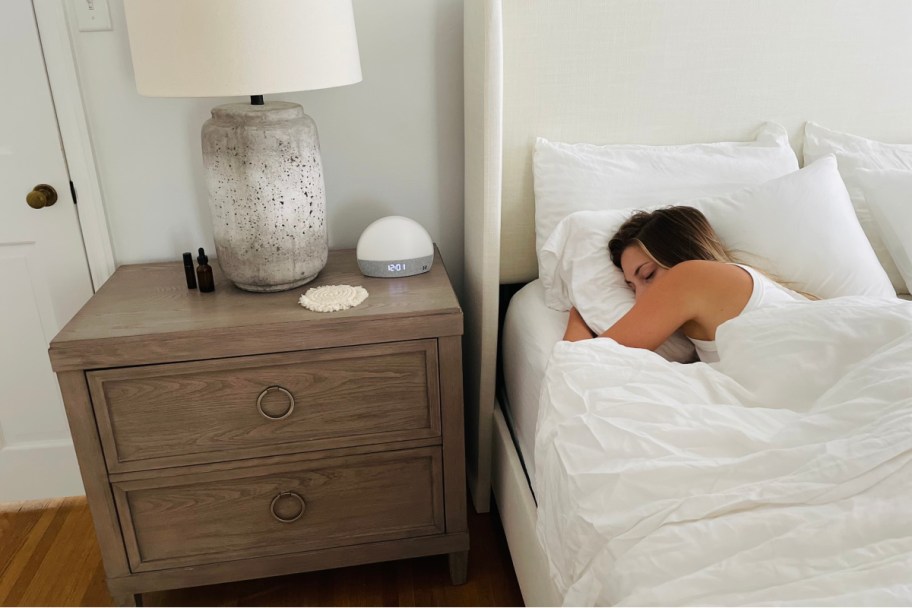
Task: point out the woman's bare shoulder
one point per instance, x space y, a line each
705 268
705 276
696 265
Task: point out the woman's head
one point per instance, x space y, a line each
650 242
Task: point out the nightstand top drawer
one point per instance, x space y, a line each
227 409
145 314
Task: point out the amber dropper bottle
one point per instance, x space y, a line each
204 272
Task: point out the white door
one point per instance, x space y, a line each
44 275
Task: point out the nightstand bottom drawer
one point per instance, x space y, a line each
186 520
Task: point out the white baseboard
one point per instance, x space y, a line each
39 470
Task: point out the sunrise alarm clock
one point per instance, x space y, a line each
395 246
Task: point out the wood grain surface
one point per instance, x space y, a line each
177 404
190 413
92 469
146 314
49 557
225 516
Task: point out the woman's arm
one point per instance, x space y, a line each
656 315
649 323
704 293
687 292
577 328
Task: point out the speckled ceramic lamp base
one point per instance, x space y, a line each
266 193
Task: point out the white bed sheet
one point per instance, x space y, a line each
530 331
781 475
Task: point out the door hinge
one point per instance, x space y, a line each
73 192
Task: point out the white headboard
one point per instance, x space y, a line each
654 72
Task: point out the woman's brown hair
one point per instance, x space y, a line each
669 236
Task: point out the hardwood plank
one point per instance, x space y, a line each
50 580
79 575
27 565
16 523
96 592
405 585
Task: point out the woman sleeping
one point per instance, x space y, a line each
682 278
780 475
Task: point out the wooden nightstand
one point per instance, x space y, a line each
233 435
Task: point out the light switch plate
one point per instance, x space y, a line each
92 15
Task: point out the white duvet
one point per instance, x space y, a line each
781 475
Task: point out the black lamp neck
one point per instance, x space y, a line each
256 100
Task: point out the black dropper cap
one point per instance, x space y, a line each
202 258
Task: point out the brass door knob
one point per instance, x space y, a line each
41 196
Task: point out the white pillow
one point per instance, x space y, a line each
854 153
577 177
800 228
889 195
576 270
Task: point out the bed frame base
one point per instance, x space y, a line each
518 513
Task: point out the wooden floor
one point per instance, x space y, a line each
49 557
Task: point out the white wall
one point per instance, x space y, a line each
392 144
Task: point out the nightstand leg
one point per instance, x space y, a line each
127 599
459 567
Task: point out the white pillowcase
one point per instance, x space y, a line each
576 270
854 153
577 177
889 195
800 228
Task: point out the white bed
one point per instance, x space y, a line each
530 331
633 71
779 476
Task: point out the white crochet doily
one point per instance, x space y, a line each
331 298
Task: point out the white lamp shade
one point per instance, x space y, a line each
217 48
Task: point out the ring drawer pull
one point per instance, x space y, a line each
287 520
291 403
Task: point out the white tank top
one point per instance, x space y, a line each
765 292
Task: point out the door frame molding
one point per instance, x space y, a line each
79 155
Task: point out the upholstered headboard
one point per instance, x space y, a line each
653 72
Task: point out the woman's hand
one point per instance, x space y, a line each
576 328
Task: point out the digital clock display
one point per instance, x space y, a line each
397 267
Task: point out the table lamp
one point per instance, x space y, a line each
262 160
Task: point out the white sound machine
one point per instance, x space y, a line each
395 246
